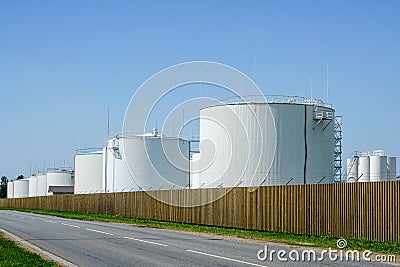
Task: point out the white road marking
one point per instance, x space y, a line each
49 221
145 241
225 258
98 231
66 224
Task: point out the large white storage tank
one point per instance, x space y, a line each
59 178
10 190
41 186
378 168
363 169
32 186
301 151
352 169
156 162
21 188
89 171
118 177
391 168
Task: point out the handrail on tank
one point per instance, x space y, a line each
91 150
273 99
380 152
61 169
166 135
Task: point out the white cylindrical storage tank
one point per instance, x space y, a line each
59 178
378 168
89 172
118 177
391 168
274 143
363 169
195 171
21 188
10 190
156 163
352 169
41 185
32 186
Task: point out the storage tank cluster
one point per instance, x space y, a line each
39 184
370 166
278 140
297 134
105 170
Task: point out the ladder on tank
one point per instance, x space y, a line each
350 166
115 147
337 166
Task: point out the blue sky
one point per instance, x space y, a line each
64 63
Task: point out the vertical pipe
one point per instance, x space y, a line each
190 171
305 143
105 167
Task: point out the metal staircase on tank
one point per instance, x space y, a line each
321 114
337 165
353 160
114 148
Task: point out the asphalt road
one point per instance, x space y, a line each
86 243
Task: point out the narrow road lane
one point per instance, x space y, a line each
87 243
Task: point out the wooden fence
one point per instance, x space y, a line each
348 210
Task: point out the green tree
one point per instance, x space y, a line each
20 177
3 187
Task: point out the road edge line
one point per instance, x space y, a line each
35 249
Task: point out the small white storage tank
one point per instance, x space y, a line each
378 168
352 169
195 171
21 188
32 186
89 171
363 169
59 178
41 186
391 168
10 190
156 162
283 140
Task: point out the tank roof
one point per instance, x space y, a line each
272 99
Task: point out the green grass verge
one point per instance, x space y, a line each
325 241
13 255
